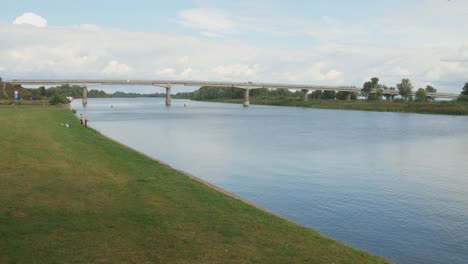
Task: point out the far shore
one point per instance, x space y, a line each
437 107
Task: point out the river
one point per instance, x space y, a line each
393 184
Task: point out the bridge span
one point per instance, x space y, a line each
246 86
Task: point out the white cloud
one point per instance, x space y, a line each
74 52
184 60
166 73
446 70
30 19
2 69
90 27
209 20
209 34
318 72
186 73
172 73
233 71
399 71
116 68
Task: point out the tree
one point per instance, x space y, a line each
328 95
376 95
317 94
463 98
42 91
57 99
263 92
369 86
405 88
421 95
342 95
430 89
465 89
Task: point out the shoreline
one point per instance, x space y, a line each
428 108
212 186
200 180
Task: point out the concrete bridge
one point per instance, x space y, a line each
246 86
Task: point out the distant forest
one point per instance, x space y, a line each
372 90
77 92
219 93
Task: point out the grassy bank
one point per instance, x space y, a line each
24 102
10 89
442 108
71 195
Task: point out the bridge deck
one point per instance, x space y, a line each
165 83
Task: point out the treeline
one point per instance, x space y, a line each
221 93
77 92
371 90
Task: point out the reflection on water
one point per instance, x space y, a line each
393 184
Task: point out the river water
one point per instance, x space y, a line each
392 184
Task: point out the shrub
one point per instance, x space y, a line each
463 98
56 99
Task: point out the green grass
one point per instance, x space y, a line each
442 108
24 102
70 195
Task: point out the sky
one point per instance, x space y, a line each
303 42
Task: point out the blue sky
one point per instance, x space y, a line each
162 16
156 15
316 42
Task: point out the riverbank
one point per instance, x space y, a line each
72 195
25 102
439 108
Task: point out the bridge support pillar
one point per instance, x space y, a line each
306 95
246 98
168 96
348 96
85 96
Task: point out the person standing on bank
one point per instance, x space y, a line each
86 120
81 118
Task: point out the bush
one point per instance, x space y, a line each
73 111
56 99
463 98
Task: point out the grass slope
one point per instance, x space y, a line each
69 195
10 91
